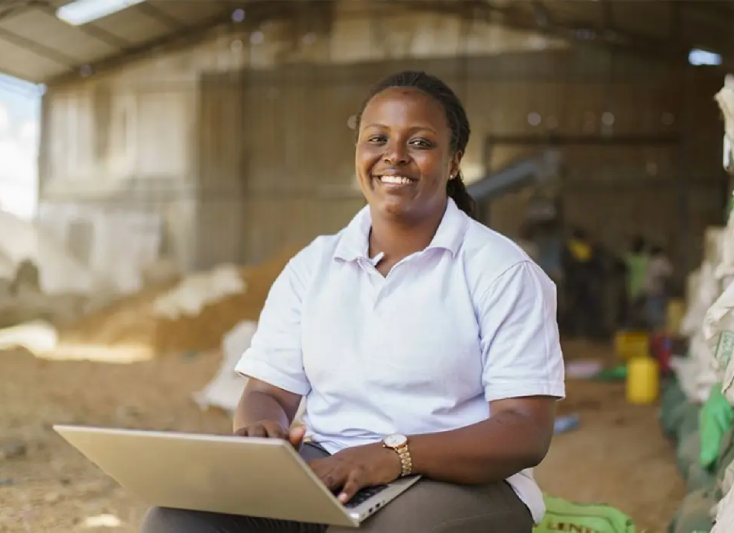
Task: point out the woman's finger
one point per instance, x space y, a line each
355 481
296 435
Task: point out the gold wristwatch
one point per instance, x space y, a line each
399 444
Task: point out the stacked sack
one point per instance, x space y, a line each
691 408
717 423
719 332
698 406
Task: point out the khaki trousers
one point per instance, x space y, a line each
427 507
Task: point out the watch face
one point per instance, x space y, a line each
395 441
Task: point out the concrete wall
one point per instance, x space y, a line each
243 143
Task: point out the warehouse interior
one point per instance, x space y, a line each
188 150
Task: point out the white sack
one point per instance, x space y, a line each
686 370
225 389
718 330
196 291
706 372
708 289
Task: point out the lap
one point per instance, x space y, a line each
435 507
428 507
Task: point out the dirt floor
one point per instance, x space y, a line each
618 454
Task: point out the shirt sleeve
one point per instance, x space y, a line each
519 337
275 355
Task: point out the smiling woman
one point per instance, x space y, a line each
414 101
423 342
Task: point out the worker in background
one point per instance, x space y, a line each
657 282
582 275
636 261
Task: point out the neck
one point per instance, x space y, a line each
399 238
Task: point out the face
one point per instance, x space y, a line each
404 157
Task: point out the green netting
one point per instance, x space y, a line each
716 420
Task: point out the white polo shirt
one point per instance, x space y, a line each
468 320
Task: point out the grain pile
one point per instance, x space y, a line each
133 320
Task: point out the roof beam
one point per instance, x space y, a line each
258 12
515 15
89 29
611 38
36 48
160 16
16 7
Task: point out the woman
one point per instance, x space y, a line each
414 322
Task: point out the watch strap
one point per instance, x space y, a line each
406 461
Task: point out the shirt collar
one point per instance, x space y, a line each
354 241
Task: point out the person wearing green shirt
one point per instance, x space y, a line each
636 261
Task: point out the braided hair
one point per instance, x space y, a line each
455 116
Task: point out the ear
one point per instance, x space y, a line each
455 164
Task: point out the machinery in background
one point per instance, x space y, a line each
539 171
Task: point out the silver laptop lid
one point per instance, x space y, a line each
222 474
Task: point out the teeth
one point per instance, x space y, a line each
401 180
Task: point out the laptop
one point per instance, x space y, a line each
222 474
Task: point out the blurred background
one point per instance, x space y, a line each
162 160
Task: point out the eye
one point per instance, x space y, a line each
421 143
376 139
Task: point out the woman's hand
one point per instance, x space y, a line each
270 429
351 469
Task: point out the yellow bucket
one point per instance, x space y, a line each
632 344
643 380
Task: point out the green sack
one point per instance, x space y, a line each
562 515
715 421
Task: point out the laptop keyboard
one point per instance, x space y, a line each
364 495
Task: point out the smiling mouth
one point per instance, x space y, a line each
394 180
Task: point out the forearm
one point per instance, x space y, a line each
258 406
486 452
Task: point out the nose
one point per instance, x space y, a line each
396 154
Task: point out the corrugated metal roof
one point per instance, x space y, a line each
38 47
